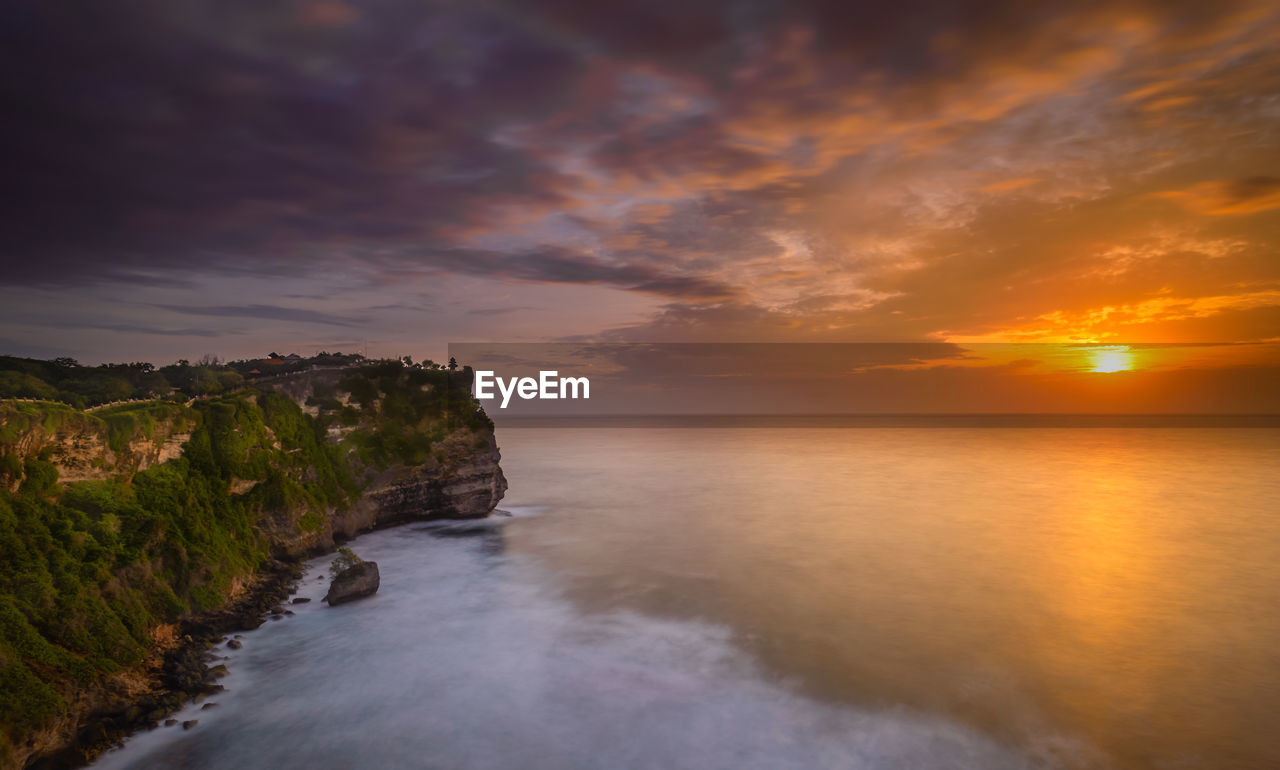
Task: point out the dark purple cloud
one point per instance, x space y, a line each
804 156
266 312
151 136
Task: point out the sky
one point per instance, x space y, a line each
238 177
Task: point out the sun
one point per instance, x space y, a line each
1112 358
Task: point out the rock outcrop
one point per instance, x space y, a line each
354 582
466 482
460 478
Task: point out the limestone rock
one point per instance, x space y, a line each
353 583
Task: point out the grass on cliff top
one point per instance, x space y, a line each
17 418
122 423
127 422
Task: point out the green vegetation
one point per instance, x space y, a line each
407 409
63 379
66 380
90 568
345 560
122 424
25 417
128 422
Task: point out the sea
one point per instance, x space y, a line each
821 595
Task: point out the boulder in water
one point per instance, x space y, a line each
354 582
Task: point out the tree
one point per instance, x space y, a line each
453 364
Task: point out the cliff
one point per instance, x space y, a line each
416 443
90 447
117 524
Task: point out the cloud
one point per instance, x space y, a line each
187 140
141 329
771 170
500 310
268 312
1005 185
1231 197
95 324
556 264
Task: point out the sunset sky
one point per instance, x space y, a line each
183 178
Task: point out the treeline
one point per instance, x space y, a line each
66 380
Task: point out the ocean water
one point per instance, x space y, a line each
873 598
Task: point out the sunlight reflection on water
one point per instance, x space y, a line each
875 598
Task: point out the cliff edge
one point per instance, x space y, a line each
117 524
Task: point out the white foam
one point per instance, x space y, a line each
463 660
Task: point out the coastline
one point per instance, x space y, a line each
292 482
180 668
183 666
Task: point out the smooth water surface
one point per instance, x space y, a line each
794 598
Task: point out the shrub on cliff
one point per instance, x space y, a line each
345 560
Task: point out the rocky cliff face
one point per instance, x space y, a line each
92 447
284 470
464 480
460 477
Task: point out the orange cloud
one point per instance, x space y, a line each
1168 103
1118 321
1228 197
1009 184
